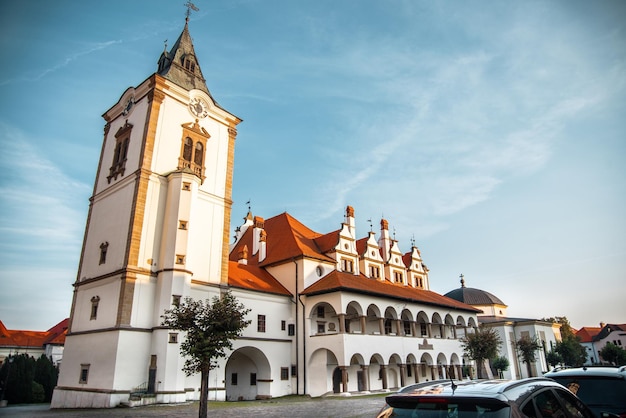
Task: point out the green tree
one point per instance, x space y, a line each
613 354
553 358
501 364
481 345
46 374
569 348
571 351
527 348
210 329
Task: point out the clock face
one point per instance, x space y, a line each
198 107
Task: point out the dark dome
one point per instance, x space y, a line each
474 296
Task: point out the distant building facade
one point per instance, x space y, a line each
594 339
34 343
330 312
510 330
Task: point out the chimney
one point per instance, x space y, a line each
350 221
262 245
243 255
384 242
258 224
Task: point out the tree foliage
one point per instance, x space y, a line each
481 345
210 329
26 380
501 364
569 348
527 348
613 354
553 358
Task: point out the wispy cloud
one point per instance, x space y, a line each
61 64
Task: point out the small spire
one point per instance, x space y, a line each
462 280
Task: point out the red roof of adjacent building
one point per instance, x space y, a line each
586 334
33 339
339 281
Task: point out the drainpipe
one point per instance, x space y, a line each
297 334
303 346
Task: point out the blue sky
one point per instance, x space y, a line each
493 133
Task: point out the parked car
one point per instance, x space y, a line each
532 397
602 389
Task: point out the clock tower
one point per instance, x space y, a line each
157 231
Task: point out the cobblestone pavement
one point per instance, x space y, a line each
291 406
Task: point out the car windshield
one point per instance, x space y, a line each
413 407
597 392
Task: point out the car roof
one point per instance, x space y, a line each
611 372
502 389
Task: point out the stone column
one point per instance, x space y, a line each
342 323
383 370
402 374
344 377
363 324
429 329
399 327
414 328
366 377
416 369
381 326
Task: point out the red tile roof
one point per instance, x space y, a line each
339 281
586 334
32 339
287 238
253 277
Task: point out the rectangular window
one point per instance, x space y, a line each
186 186
176 300
252 379
374 272
180 259
347 265
94 307
182 224
398 277
84 373
423 329
260 325
233 379
173 339
283 325
294 370
291 329
407 327
320 311
284 373
321 327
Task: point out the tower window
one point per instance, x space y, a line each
122 143
180 259
182 224
374 272
94 307
260 323
193 147
103 252
84 373
347 265
173 338
176 300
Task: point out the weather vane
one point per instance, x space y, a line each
190 6
248 203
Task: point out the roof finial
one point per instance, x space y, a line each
462 280
190 6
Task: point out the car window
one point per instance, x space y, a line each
411 407
546 406
597 392
574 406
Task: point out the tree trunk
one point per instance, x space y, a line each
203 410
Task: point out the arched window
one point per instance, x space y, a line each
199 154
187 149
